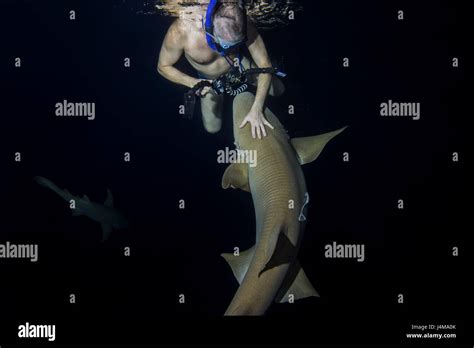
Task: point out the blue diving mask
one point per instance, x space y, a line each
224 46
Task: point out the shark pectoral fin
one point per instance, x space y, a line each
296 285
280 250
106 231
240 264
309 148
236 176
109 201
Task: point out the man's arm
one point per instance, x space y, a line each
171 51
259 54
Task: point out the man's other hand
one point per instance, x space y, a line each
202 92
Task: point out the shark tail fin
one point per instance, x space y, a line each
52 186
240 263
309 148
296 286
45 182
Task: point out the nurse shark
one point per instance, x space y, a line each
269 271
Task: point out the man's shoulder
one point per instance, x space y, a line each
176 35
185 27
177 27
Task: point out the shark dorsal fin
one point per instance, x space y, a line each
279 249
240 264
236 176
109 201
86 198
296 284
309 148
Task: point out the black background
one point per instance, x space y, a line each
134 299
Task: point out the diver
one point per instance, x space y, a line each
214 43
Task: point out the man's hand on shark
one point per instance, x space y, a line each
257 120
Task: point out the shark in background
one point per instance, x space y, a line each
269 271
105 214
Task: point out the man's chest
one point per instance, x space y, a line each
197 49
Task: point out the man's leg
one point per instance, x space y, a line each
211 108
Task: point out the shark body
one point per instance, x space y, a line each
109 217
269 271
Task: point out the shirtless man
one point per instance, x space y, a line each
189 37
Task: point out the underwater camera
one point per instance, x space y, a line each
232 83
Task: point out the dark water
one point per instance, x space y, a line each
266 15
129 299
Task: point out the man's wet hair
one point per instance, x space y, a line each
229 22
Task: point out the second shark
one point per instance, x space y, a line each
108 217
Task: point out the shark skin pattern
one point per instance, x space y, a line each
105 214
269 271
